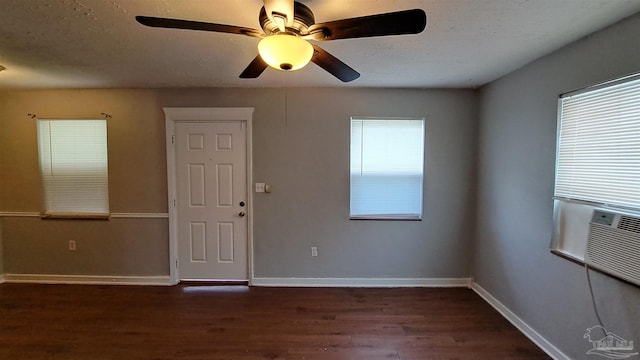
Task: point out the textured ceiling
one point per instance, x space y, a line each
98 43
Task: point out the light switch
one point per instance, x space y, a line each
259 187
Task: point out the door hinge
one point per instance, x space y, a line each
174 202
173 139
176 263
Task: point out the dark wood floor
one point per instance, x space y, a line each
195 322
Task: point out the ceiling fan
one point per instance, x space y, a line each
287 26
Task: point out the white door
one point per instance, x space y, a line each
211 196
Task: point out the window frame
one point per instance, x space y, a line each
561 99
102 203
573 214
388 216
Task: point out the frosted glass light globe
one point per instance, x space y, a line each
285 52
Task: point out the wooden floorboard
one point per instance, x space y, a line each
209 322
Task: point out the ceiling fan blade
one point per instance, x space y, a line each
333 65
197 25
280 12
395 23
255 68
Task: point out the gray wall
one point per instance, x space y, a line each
137 183
517 134
306 160
303 154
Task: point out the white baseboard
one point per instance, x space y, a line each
527 330
361 282
86 279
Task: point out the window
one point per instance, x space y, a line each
386 168
598 156
597 161
73 165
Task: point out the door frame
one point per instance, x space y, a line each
174 115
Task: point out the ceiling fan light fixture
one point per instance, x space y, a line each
285 51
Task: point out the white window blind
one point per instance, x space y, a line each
386 168
598 157
73 165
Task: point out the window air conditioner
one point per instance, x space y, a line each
613 245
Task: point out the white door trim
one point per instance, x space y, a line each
175 115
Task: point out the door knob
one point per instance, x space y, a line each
241 214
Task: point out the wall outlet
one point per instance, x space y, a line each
314 251
72 245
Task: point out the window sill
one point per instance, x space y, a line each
386 218
80 216
565 255
581 262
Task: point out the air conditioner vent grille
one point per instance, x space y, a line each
629 223
614 251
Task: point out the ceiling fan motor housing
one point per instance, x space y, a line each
303 19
